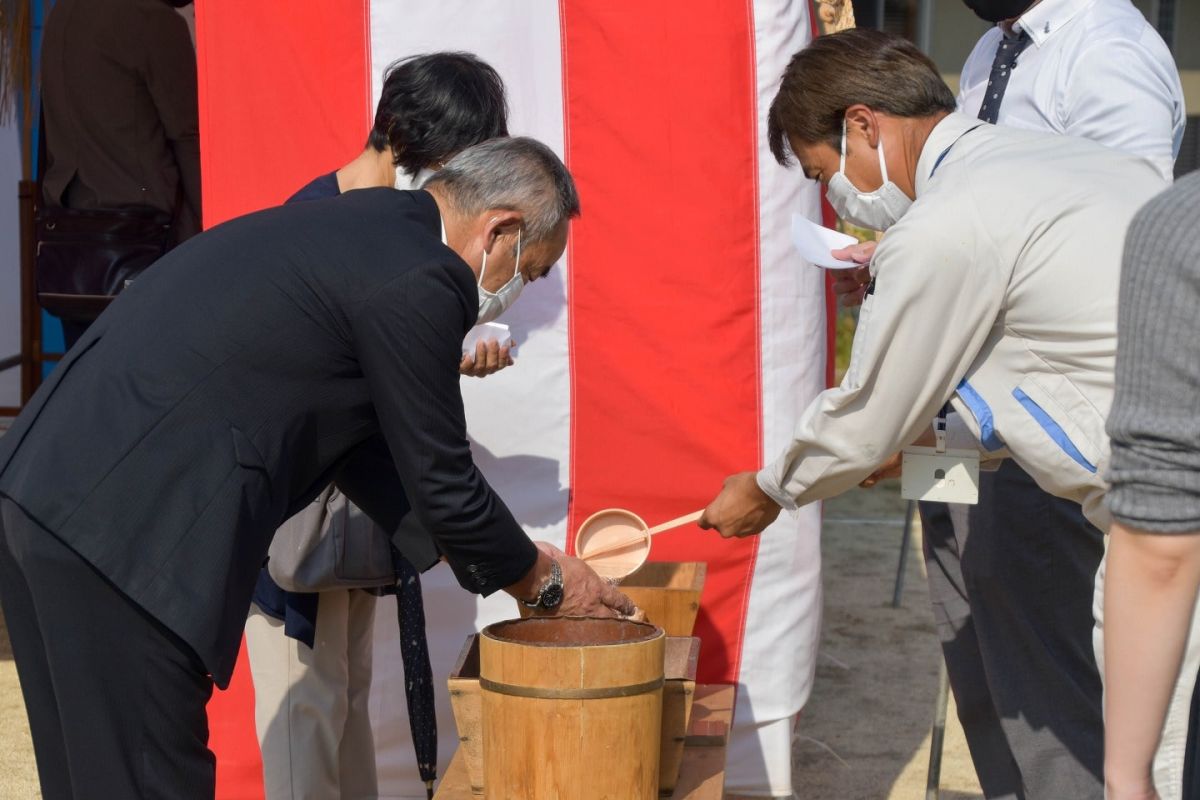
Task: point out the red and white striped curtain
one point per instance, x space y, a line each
676 343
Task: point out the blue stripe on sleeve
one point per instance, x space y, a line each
983 416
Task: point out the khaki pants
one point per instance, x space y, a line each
310 705
1169 760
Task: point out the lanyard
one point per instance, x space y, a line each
936 164
946 152
939 425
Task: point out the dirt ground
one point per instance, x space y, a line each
18 776
865 732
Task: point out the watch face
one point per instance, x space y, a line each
552 596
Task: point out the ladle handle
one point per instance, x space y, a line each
613 547
675 523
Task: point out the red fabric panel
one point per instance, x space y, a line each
285 94
829 220
232 737
659 104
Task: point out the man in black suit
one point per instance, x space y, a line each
141 486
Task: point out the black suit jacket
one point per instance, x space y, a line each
251 366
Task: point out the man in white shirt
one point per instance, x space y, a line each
1093 68
1020 660
996 291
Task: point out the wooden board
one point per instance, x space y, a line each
702 775
669 593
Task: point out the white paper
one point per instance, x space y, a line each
486 333
814 242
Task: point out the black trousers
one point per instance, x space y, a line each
116 701
1011 581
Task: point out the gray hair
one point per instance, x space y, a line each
516 174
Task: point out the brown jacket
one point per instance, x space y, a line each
119 92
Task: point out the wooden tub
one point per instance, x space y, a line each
680 657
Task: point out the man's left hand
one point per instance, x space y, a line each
741 509
586 594
851 284
489 358
888 469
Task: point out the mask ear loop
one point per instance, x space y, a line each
483 266
842 165
517 265
882 160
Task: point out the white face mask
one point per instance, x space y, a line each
493 304
877 210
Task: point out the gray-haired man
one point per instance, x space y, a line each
314 342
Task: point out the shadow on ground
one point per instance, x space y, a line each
865 731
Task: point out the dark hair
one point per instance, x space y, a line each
436 105
883 71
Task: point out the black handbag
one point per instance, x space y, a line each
86 257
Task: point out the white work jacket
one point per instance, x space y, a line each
997 291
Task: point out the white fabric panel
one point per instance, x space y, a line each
784 615
519 419
759 759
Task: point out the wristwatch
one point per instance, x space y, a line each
551 594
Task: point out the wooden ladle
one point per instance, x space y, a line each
615 530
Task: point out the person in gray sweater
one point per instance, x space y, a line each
1153 569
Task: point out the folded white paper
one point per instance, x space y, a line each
486 333
814 242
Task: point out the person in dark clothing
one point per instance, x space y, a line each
121 119
280 351
432 106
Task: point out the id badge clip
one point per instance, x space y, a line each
938 474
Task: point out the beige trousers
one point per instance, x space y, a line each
310 705
1169 759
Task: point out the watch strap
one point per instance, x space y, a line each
554 579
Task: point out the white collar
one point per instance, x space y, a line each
943 135
442 222
1045 18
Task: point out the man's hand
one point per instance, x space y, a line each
851 284
888 469
585 594
489 358
741 509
